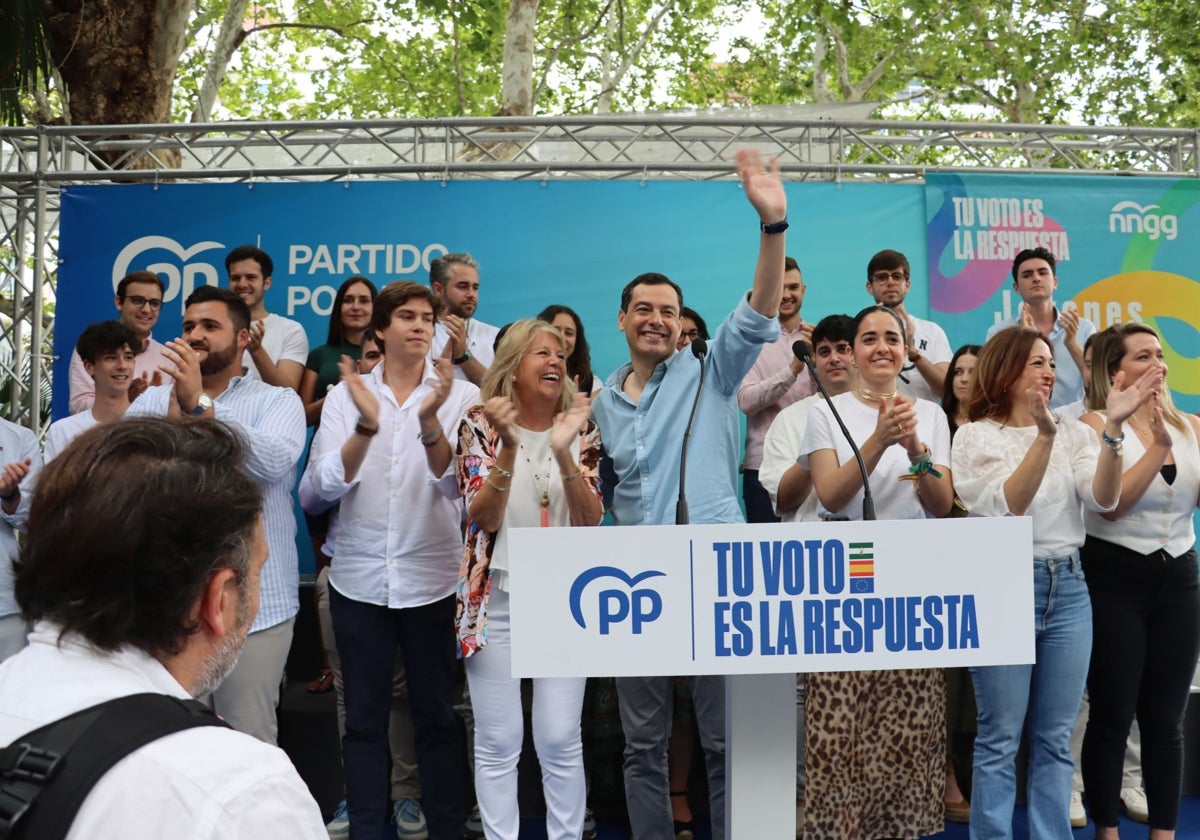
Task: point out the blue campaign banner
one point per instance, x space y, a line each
537 243
1126 249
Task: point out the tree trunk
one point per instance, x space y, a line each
230 35
516 80
117 60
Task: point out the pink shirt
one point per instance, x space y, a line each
768 388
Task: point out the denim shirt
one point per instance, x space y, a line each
644 439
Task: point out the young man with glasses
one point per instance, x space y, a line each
139 299
929 352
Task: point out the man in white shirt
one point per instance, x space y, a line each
789 485
278 346
777 379
466 342
1035 279
139 299
205 368
22 461
399 545
109 352
929 353
160 608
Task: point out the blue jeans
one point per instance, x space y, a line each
1046 693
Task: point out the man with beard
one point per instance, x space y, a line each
469 344
777 380
205 368
160 608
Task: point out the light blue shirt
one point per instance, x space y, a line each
1068 381
271 422
16 444
644 439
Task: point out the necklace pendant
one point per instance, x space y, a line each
545 499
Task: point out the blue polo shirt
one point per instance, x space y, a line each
644 439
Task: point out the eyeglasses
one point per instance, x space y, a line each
882 277
138 302
690 334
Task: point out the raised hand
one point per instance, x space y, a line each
501 413
257 330
897 421
189 382
1026 317
1043 417
568 424
457 345
1122 402
11 475
1068 319
763 185
364 398
441 389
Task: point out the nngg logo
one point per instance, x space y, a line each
637 606
171 261
1131 217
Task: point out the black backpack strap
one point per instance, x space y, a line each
56 766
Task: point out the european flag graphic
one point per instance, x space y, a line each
862 567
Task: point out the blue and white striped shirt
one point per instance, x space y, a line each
271 421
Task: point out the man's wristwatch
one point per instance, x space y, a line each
463 359
203 403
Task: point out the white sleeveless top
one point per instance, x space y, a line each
1162 518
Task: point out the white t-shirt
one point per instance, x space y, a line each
481 339
283 339
894 499
62 432
931 341
781 448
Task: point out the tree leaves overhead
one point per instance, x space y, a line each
1039 61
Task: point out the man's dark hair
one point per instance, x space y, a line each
394 295
697 319
834 329
888 260
239 312
105 337
139 277
1034 254
790 264
650 278
128 526
252 252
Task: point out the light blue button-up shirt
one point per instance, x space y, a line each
1068 381
644 439
16 444
271 422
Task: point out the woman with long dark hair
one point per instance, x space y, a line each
349 319
579 354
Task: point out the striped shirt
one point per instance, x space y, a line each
271 421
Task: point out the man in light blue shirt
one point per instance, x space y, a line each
640 412
206 381
1035 280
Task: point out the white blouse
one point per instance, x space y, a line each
1162 519
986 454
894 499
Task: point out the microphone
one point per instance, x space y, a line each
804 353
700 351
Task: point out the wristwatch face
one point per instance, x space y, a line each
203 403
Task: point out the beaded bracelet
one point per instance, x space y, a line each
426 436
1115 444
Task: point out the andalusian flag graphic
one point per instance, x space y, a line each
862 567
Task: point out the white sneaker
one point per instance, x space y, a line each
1133 800
1076 812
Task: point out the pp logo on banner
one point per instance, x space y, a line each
180 275
637 606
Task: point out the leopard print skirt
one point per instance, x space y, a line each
876 744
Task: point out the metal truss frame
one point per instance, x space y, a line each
36 162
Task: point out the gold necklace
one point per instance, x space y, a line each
871 396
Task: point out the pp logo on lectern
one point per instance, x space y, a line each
637 606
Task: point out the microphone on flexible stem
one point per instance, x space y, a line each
804 353
699 350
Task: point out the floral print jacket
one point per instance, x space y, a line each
478 444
